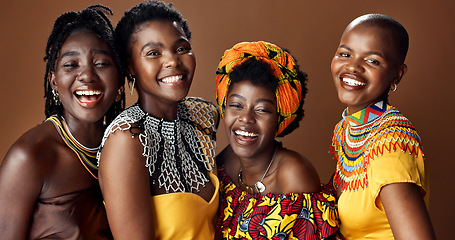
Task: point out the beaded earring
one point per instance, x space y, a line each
56 98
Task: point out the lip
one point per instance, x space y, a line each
174 79
245 136
88 97
352 81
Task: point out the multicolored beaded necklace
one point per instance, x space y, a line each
86 155
358 139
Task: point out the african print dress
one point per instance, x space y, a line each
274 216
373 147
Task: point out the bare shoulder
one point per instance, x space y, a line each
34 148
296 174
120 144
28 163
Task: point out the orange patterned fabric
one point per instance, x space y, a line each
283 66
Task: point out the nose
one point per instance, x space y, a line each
246 116
354 66
172 60
88 74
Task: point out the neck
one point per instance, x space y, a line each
254 169
87 133
167 111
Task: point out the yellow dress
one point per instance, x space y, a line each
374 147
180 158
185 215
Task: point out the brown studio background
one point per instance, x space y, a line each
310 29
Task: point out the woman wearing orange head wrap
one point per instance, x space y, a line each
267 191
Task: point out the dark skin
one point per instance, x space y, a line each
368 54
39 163
252 109
163 64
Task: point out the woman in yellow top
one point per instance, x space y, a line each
267 191
157 162
380 175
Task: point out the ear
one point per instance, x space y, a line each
53 81
129 69
402 69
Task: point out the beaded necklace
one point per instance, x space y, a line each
359 138
178 153
86 155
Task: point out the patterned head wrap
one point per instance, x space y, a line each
283 67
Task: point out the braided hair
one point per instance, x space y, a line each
93 18
143 12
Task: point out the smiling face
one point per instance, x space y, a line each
162 62
250 119
365 66
85 77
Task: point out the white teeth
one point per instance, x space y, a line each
88 92
245 134
352 82
172 79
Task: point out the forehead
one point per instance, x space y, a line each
84 38
156 29
252 91
370 39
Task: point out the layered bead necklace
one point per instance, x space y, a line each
86 155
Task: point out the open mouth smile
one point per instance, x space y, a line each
172 79
352 82
88 96
244 134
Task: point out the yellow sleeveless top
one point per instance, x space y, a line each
185 215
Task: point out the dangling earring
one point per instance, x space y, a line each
56 98
132 78
394 87
120 93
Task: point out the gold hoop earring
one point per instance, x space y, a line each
132 78
394 87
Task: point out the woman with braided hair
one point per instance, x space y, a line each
48 178
267 191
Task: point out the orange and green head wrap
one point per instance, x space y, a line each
283 66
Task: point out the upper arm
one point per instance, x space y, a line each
21 181
297 175
406 211
124 181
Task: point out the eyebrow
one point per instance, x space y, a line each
76 53
159 44
257 100
368 53
71 53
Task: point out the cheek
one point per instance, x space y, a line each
335 67
190 62
229 118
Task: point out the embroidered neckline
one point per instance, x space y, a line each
86 155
